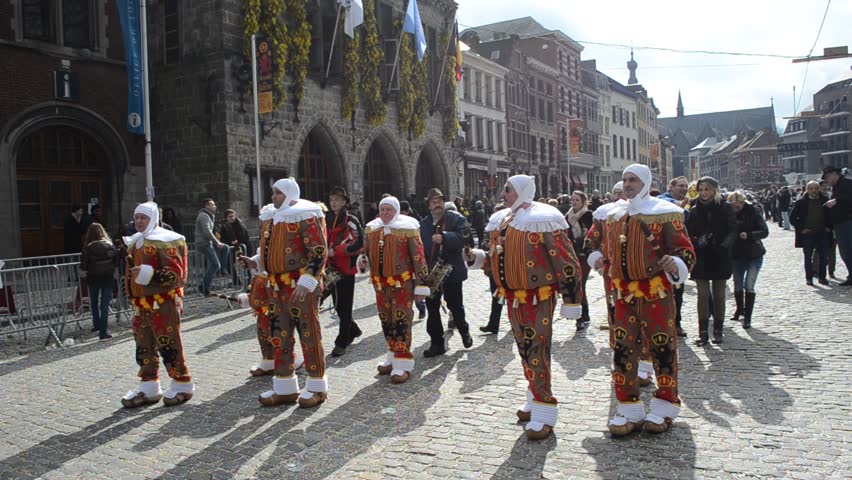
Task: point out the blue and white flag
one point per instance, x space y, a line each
128 15
413 25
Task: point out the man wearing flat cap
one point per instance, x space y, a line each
840 211
442 234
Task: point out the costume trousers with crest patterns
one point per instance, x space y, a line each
288 316
395 306
655 320
264 336
532 326
157 334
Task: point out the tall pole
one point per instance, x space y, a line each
256 119
146 106
333 39
396 58
444 62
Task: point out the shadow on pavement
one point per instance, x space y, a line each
246 333
527 459
323 447
747 370
485 363
644 455
49 356
54 452
578 355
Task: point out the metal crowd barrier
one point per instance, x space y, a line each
48 294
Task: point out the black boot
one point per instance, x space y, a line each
748 308
717 329
702 331
738 296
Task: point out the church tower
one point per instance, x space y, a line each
679 105
632 65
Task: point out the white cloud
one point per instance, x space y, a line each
784 27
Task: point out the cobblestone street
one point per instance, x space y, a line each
771 402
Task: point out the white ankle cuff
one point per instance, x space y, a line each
285 386
630 412
404 364
265 365
316 385
646 368
388 361
545 413
179 387
534 425
150 388
526 407
663 409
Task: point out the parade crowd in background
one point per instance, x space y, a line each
538 253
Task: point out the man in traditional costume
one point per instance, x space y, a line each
155 274
645 251
532 261
292 256
394 257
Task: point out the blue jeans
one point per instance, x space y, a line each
818 242
785 219
745 273
100 294
217 261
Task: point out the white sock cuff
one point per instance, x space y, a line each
526 407
316 385
150 388
285 386
265 364
646 367
545 413
404 364
388 361
663 409
179 387
633 412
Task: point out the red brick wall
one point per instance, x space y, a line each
26 79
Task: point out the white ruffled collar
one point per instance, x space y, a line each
602 212
401 222
267 212
496 219
538 217
158 234
302 210
645 206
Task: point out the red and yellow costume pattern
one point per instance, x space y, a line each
158 307
530 269
632 246
397 266
290 250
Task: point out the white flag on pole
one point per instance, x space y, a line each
354 15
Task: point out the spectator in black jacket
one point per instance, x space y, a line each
712 228
811 218
478 219
748 254
840 207
785 200
73 230
579 218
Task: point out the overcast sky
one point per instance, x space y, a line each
708 82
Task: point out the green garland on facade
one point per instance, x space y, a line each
450 108
268 20
407 90
421 96
349 89
371 57
298 45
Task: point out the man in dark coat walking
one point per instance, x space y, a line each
811 218
840 207
442 234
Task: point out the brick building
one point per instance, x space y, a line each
63 105
56 151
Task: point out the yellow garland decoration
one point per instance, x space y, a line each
251 24
298 45
349 89
406 98
265 18
421 97
449 109
371 57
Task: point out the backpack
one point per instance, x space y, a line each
101 259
